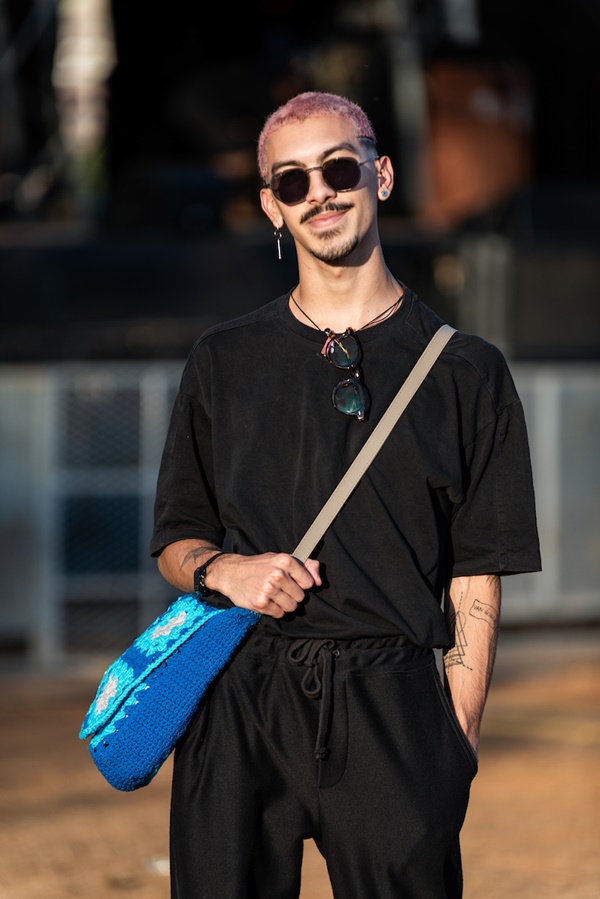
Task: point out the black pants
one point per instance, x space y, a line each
353 744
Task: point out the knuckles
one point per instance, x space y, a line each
275 584
267 607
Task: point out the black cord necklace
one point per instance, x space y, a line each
344 351
329 333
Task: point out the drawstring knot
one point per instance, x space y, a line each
318 657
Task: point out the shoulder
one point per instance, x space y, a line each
259 318
229 342
482 365
472 363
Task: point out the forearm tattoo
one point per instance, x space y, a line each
484 611
458 624
197 556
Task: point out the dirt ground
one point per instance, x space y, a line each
532 831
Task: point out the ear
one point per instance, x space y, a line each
270 208
385 178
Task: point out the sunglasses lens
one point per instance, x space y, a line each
291 186
341 174
343 351
350 397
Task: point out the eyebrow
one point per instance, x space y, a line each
345 145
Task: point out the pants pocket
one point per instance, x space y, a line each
453 720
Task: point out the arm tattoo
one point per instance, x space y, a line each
196 555
486 612
458 628
456 655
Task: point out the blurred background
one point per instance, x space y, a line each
129 221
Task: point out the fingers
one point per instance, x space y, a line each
313 567
283 584
271 583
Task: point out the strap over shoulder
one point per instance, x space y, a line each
374 443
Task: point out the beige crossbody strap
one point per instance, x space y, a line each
374 443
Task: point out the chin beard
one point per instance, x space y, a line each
334 252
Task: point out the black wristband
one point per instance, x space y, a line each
200 587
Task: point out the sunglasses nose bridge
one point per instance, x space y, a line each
317 186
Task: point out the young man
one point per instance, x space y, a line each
332 722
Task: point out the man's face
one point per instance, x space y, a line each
328 225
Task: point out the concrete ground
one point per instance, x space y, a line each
532 831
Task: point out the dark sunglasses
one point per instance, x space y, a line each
340 174
350 396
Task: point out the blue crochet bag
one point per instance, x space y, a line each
147 697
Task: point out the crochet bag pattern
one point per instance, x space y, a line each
148 696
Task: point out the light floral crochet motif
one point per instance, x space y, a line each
166 629
109 691
116 679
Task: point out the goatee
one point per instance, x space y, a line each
334 252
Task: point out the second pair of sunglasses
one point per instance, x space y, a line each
344 351
341 174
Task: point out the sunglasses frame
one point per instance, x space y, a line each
273 184
353 368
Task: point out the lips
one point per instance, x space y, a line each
327 221
325 216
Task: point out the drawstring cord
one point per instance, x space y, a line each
318 657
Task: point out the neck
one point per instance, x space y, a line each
342 303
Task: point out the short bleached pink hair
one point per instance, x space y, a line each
307 106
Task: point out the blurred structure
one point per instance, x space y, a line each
128 138
83 60
129 222
31 158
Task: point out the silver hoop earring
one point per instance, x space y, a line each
278 235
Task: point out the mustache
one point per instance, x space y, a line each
329 207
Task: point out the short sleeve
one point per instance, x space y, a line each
494 529
185 505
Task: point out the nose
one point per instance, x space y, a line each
318 189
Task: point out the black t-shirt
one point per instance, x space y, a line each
255 447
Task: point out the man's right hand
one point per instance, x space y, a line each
270 583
